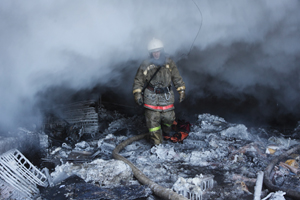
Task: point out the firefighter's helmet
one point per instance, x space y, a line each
155 45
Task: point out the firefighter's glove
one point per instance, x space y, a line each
138 98
181 95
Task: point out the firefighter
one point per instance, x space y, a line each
152 88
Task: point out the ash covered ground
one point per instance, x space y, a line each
232 153
240 63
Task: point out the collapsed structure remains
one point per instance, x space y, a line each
218 160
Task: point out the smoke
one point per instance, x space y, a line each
243 48
249 54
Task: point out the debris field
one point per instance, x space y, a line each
218 159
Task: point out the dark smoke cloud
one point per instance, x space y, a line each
254 54
244 48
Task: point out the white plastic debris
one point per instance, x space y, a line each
46 172
258 185
193 188
9 192
279 195
82 145
16 170
64 145
55 150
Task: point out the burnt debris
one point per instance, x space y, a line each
76 146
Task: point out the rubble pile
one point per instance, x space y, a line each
286 173
92 162
99 171
231 154
74 187
73 121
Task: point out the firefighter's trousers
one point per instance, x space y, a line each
159 123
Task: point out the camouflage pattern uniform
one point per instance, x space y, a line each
159 110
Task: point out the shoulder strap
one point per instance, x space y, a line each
146 85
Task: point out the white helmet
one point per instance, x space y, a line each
155 45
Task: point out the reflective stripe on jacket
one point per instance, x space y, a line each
159 108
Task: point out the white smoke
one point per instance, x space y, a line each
79 44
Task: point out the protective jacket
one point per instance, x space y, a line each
158 95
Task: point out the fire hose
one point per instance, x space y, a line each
289 192
160 191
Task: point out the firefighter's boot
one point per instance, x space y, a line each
156 137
